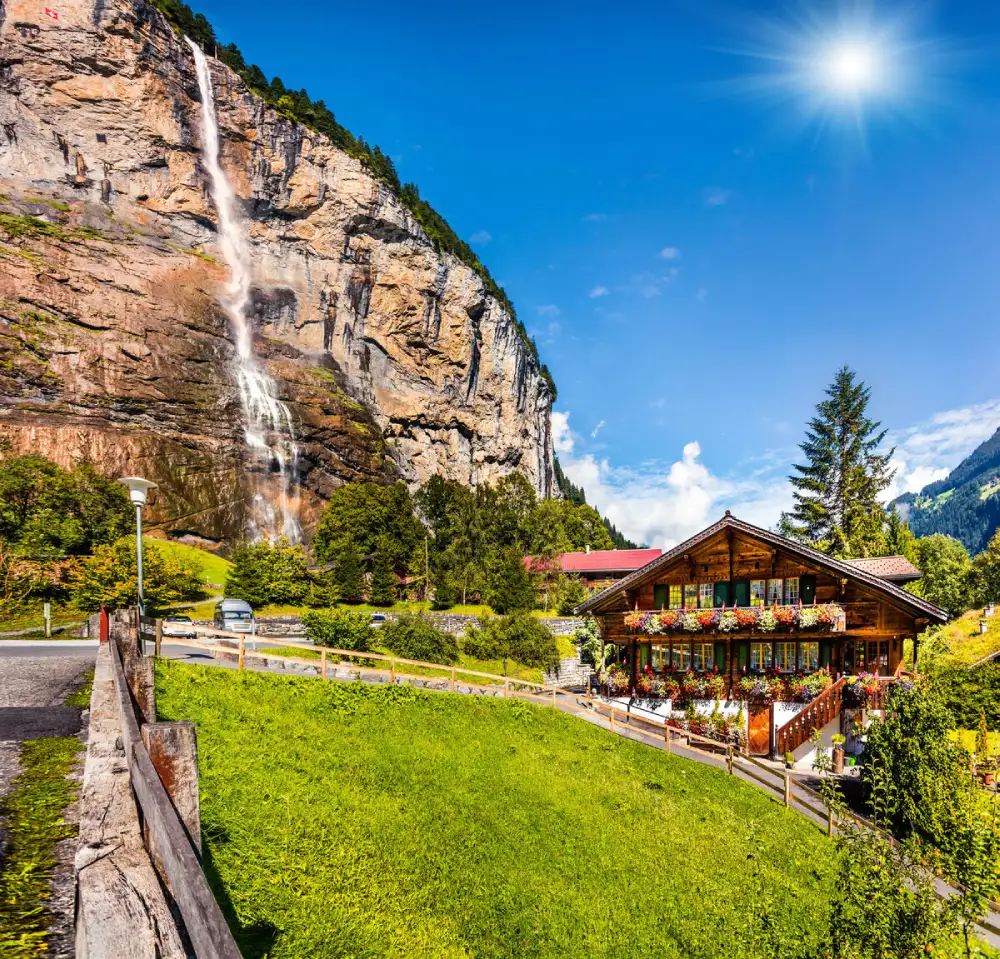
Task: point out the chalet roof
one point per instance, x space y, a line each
919 607
896 569
604 560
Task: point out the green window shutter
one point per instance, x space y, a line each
743 655
719 656
722 594
644 651
807 589
741 592
825 653
661 597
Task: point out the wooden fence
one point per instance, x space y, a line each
172 849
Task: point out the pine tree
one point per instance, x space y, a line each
836 491
899 538
380 592
348 574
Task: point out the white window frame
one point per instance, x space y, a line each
775 591
706 595
676 590
792 591
758 591
690 595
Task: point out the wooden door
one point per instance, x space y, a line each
760 731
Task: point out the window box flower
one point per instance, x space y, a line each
691 623
767 622
728 621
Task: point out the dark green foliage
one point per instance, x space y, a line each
574 494
415 637
519 637
299 107
965 504
381 591
968 693
618 540
110 578
339 629
372 518
263 573
837 489
946 570
507 583
348 574
910 755
46 511
572 592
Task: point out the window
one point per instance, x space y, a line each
792 591
703 655
784 657
774 589
760 656
876 656
690 596
681 655
706 595
661 656
809 657
757 592
676 597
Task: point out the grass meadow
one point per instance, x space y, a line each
343 820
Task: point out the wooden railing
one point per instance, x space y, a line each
824 708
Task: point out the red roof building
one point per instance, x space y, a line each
602 566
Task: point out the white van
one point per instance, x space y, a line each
234 616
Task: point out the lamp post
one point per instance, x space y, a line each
137 490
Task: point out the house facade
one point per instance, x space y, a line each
599 568
738 601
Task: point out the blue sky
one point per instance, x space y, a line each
695 256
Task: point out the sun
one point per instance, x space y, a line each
850 69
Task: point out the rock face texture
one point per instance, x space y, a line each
392 357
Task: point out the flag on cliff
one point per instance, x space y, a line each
51 13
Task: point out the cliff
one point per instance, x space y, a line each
392 357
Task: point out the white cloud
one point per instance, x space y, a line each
930 450
595 218
648 285
717 196
550 309
701 294
480 238
670 253
596 430
562 436
598 291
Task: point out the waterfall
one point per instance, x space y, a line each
269 432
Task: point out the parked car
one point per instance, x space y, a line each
378 619
179 627
234 616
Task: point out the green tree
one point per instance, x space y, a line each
986 574
503 509
946 573
982 739
370 517
507 584
571 592
263 573
899 538
381 591
837 489
110 578
349 574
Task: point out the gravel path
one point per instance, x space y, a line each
32 692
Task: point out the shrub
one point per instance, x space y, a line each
110 578
416 637
264 572
519 636
339 629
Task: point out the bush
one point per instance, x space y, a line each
968 693
507 583
415 637
110 578
520 637
263 573
339 629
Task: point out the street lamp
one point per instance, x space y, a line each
137 490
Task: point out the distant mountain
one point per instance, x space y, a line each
965 504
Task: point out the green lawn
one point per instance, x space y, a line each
215 569
343 820
401 607
966 644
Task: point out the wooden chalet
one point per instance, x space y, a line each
788 608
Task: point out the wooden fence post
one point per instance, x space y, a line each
322 663
241 650
729 759
788 789
829 821
666 737
588 693
611 715
173 750
159 638
392 672
452 684
505 687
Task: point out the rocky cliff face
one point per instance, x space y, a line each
392 357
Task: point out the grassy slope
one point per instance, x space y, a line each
214 568
345 820
967 646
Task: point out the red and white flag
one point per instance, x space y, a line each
51 13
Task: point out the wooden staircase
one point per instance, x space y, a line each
825 707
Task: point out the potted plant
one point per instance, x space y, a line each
789 760
837 741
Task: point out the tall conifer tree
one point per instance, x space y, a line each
836 490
